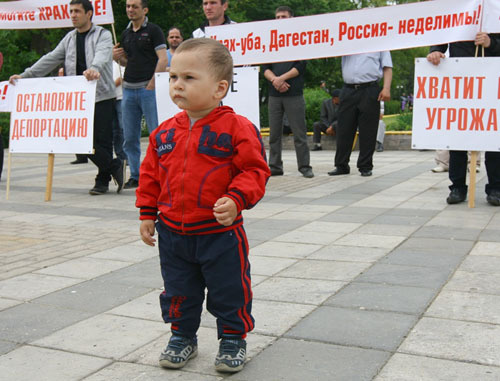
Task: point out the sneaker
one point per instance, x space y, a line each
178 352
131 184
380 147
439 169
456 196
231 356
317 147
98 189
118 176
494 198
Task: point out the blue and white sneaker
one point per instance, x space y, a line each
178 352
231 356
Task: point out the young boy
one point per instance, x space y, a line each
202 168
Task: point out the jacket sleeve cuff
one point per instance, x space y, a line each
148 213
238 199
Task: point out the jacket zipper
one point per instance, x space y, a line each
183 174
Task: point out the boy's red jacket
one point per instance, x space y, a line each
187 169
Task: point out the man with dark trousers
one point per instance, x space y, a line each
86 50
286 84
360 108
327 119
457 170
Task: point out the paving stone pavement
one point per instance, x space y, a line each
354 278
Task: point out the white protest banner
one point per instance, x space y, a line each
345 33
456 104
6 97
242 97
53 115
36 14
491 16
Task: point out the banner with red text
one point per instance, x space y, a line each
6 96
242 96
491 16
345 33
36 14
53 115
456 104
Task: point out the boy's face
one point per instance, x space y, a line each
192 85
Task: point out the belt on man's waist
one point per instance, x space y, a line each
360 85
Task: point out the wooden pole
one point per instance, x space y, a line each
9 162
50 176
472 179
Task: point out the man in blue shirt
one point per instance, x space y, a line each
360 108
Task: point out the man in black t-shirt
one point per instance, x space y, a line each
143 53
286 84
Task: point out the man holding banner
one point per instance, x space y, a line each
458 159
86 51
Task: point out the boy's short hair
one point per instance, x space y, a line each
284 8
219 62
86 4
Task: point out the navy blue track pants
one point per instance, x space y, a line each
218 262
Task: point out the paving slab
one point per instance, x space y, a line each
486 248
467 306
30 286
327 270
269 265
127 253
47 365
427 277
305 291
7 303
104 335
284 249
119 371
404 367
450 232
300 236
438 245
84 268
95 296
298 360
474 282
383 297
354 327
371 240
411 257
27 322
454 340
145 307
7 346
349 253
482 264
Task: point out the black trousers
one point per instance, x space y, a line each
458 170
318 128
103 141
359 108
